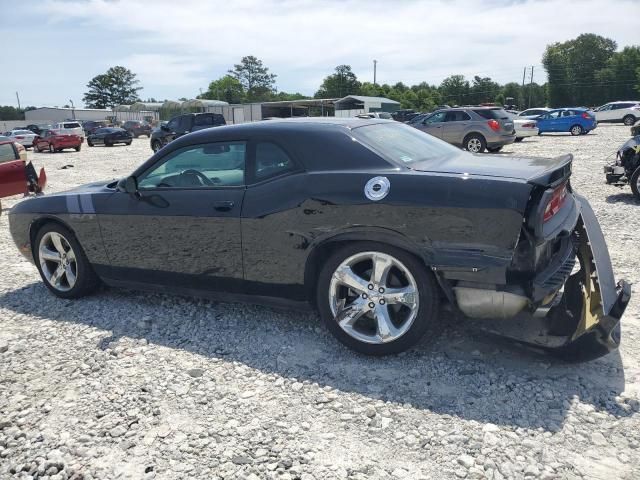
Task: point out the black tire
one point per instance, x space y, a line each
51 149
576 130
78 148
629 120
86 279
156 145
89 143
635 179
474 139
108 144
494 149
128 144
519 139
426 321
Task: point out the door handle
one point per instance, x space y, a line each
223 206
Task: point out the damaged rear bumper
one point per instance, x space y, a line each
585 323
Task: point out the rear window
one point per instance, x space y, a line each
7 153
492 113
402 144
71 125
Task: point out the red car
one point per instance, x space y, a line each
56 141
17 176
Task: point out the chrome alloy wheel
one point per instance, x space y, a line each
474 145
576 130
58 261
373 297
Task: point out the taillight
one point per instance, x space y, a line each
558 198
494 125
586 116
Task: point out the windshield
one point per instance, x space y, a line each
402 144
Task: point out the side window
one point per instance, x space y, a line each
271 161
199 166
173 124
203 121
457 117
7 153
185 124
553 115
435 118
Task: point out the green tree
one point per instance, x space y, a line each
620 78
572 66
513 90
8 112
227 88
284 96
118 86
455 90
255 79
483 90
339 84
369 89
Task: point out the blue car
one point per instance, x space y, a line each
577 121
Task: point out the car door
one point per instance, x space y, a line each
270 219
605 113
455 124
183 229
552 121
13 178
566 120
433 124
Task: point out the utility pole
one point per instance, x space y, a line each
73 110
375 63
18 97
524 72
530 88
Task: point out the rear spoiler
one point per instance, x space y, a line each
559 170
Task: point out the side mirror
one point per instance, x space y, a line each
128 185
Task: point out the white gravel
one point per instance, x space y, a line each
130 385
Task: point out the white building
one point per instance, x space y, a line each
59 114
352 105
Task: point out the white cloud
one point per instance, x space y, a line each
184 44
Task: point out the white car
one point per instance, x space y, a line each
524 126
69 128
534 112
627 112
23 137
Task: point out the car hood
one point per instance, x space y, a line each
539 171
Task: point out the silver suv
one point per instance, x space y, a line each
475 129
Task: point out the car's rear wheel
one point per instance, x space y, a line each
635 183
377 299
576 130
78 148
62 264
629 120
475 143
156 145
89 143
519 139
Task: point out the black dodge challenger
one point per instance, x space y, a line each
372 222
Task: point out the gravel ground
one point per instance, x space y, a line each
130 385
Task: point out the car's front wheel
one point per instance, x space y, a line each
576 130
629 120
377 299
62 264
635 183
156 145
475 143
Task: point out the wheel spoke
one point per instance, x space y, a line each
70 276
405 296
57 275
350 314
348 277
386 330
48 254
380 271
57 243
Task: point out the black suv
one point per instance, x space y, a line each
183 124
137 128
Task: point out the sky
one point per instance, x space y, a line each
52 48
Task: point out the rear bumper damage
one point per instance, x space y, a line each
583 322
